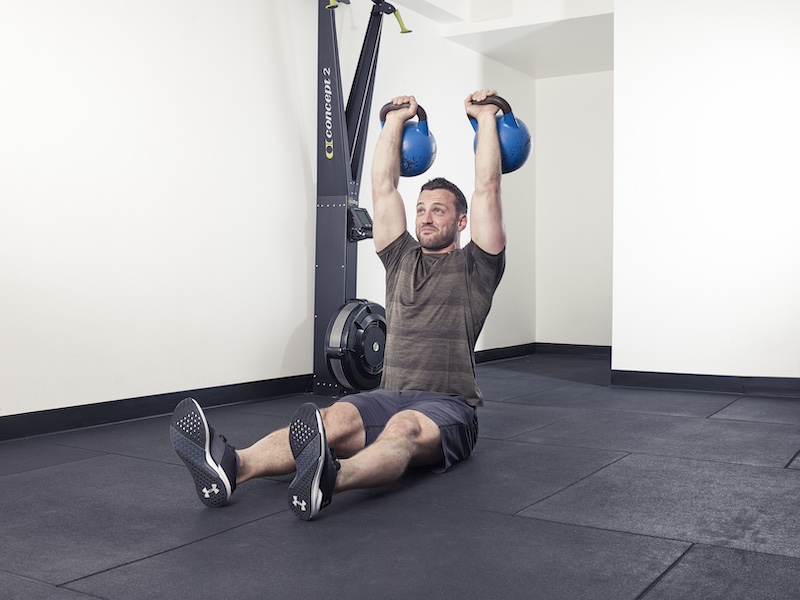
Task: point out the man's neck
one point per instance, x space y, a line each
447 250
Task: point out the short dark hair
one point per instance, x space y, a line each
440 183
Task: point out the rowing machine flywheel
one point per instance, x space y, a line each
355 343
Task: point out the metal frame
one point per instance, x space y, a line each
342 133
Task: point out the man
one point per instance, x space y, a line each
437 298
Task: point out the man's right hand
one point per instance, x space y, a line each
403 114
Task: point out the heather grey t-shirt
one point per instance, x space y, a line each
436 305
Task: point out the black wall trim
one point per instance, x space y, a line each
574 350
501 353
540 348
76 417
749 386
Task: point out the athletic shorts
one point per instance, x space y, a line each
457 420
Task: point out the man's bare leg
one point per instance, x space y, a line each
409 439
272 455
267 457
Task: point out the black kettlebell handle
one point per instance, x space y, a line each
498 102
389 107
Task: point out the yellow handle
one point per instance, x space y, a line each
332 4
399 20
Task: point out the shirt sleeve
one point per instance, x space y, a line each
394 252
485 269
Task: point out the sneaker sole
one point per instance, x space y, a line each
190 436
308 443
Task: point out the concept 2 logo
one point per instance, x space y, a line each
328 95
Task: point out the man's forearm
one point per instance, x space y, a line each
488 163
386 161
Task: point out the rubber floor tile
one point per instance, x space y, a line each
733 506
82 517
686 404
414 550
763 410
501 476
722 574
18 456
708 439
13 587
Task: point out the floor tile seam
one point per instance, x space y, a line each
609 530
575 409
662 414
574 483
666 571
49 584
652 454
712 416
629 411
580 409
731 403
728 420
60 464
691 543
710 461
788 465
42 437
709 419
100 454
529 431
554 445
65 584
29 578
737 549
526 394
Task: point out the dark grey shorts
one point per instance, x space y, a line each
457 420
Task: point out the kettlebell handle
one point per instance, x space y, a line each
389 107
498 102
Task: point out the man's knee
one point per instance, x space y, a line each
413 426
420 434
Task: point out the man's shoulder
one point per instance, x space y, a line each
400 246
473 249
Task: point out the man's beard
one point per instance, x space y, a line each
437 241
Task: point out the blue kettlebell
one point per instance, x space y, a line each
515 139
419 145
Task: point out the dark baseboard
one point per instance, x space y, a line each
103 413
482 356
574 350
747 386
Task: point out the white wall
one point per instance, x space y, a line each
574 209
707 198
157 190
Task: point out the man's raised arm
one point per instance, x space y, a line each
390 215
486 213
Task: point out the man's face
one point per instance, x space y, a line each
438 223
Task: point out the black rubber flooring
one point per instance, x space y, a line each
575 490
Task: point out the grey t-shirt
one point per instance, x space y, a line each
436 305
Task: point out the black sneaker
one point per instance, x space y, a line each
312 486
212 461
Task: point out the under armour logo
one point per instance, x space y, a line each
207 491
301 503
